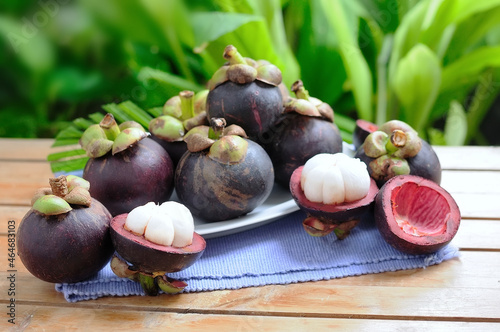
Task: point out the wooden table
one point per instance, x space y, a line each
460 294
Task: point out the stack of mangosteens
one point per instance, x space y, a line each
223 150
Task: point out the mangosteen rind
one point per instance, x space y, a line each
149 257
438 208
332 216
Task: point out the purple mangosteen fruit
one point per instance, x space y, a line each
335 191
245 92
180 114
126 168
223 175
305 129
153 240
396 149
416 215
64 238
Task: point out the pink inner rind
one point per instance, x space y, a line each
420 210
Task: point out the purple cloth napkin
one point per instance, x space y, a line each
280 252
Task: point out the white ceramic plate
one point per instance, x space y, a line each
278 204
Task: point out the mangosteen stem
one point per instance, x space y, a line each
344 229
187 104
148 284
299 90
396 141
110 127
59 186
233 56
217 126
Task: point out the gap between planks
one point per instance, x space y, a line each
253 313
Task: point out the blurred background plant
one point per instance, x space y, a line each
432 63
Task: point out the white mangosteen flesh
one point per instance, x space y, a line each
168 224
334 179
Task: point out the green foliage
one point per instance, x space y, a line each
432 63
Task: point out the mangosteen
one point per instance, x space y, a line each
396 149
362 129
335 191
126 168
305 129
223 175
416 215
64 237
245 92
153 240
180 114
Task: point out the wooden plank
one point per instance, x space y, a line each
19 180
101 319
25 149
471 182
469 157
477 234
448 291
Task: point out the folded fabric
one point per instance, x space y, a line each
280 252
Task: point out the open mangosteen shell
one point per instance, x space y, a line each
333 213
409 196
215 191
254 106
151 257
140 174
297 138
66 248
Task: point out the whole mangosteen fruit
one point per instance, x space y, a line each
416 215
223 175
64 238
396 149
153 240
245 92
126 168
335 191
305 129
180 114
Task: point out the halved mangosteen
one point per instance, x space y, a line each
153 240
415 215
334 191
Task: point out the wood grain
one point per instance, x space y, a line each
101 319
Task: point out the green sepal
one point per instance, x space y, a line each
51 205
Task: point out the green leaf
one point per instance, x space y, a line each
166 83
65 154
355 64
455 128
136 113
68 165
470 66
209 26
417 83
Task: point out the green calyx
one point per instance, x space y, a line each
385 167
390 146
180 114
226 144
64 191
306 105
319 227
100 139
243 70
151 283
